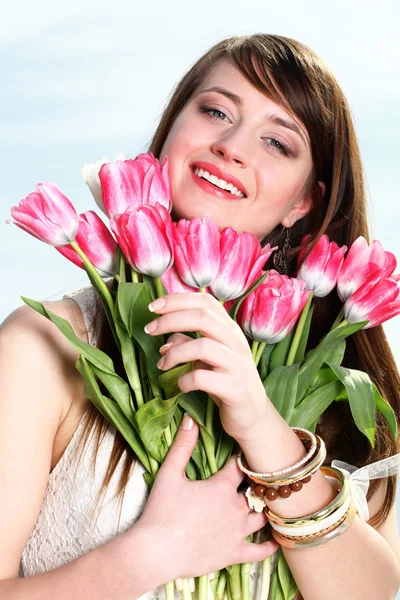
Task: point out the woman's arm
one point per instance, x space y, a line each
359 564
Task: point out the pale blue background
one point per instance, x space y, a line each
85 80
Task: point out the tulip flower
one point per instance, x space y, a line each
241 262
48 215
321 268
376 301
145 235
174 284
96 241
90 174
270 312
133 183
196 249
361 262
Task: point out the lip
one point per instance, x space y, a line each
214 170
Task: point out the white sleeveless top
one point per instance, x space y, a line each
68 525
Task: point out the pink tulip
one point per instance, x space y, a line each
270 312
377 301
133 183
242 259
361 262
321 268
97 243
196 248
174 284
48 215
90 174
146 238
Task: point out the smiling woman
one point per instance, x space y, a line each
259 137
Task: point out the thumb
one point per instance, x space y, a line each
183 445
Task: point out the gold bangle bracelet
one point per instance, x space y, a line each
304 471
319 515
314 540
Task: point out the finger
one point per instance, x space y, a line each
232 472
174 340
204 320
188 300
182 447
228 389
255 522
258 552
209 351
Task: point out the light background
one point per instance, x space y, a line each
85 80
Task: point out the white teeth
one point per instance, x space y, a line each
221 183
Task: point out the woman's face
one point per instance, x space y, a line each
231 132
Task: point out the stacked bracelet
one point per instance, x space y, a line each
311 530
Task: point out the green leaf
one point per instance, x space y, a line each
225 448
386 411
153 418
263 365
233 311
111 411
132 307
304 335
119 390
281 351
361 399
316 357
281 388
195 403
168 380
94 355
322 377
307 413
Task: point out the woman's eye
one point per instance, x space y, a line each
213 112
277 146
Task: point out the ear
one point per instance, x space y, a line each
302 206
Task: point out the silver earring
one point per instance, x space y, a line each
281 258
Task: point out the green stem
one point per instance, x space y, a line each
235 583
219 595
209 448
210 415
265 578
337 320
134 276
95 277
122 274
299 331
203 290
117 277
245 570
169 591
254 348
203 587
158 286
186 593
260 351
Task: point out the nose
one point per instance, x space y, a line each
233 147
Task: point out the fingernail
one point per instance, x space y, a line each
187 422
152 326
165 348
160 363
156 304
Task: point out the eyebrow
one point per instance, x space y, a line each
287 123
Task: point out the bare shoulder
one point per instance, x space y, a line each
40 397
389 529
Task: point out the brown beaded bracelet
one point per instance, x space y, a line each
271 493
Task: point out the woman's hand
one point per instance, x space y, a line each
223 364
197 527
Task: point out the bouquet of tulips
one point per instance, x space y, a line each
149 256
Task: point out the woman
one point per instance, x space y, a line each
265 115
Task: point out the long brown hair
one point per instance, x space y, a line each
295 77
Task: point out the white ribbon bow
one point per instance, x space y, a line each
359 479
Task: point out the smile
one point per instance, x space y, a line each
221 183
